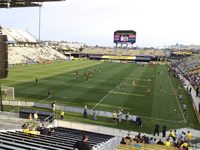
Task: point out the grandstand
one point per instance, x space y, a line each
122 52
60 139
24 48
18 36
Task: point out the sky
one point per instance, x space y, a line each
157 22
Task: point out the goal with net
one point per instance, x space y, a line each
8 93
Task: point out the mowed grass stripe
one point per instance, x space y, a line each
72 91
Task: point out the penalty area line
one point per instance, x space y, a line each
45 99
160 119
103 98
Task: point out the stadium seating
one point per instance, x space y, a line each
190 68
61 138
23 48
122 52
16 35
19 55
144 147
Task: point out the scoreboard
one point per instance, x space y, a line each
124 36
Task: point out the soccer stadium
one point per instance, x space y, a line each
62 95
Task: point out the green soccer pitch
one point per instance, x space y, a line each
148 91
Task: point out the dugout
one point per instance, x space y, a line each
42 116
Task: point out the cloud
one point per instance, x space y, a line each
157 22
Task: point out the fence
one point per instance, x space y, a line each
65 108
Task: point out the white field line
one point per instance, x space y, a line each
103 98
159 119
178 101
45 98
110 92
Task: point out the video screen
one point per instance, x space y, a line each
124 37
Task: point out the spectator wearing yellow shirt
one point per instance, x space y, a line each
172 134
167 143
114 117
189 136
184 144
62 113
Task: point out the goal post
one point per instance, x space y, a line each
8 93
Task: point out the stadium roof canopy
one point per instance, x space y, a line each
23 3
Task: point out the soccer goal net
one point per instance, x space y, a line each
8 93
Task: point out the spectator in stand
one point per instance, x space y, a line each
128 137
197 91
160 142
183 136
35 115
185 144
156 129
189 136
167 143
199 108
184 148
82 145
172 135
137 145
151 140
190 90
30 116
123 141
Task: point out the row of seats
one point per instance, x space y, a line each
18 55
144 147
190 69
126 52
16 35
60 139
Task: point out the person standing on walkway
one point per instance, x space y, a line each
53 106
85 111
94 114
120 116
156 129
127 116
164 129
114 117
62 113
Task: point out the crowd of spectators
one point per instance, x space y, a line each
190 69
181 140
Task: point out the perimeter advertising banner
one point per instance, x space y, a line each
124 36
